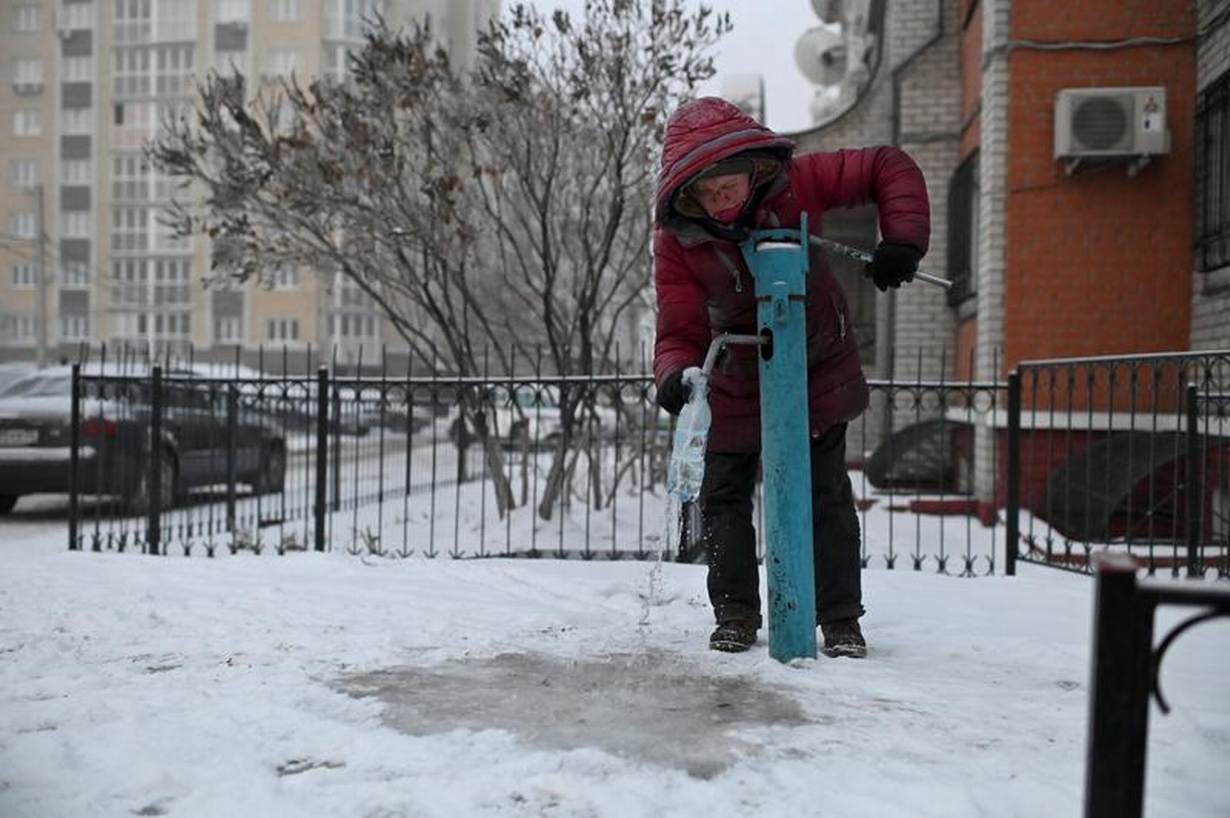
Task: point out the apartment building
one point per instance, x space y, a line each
84 256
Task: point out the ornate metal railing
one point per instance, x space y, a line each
1121 453
1126 671
527 465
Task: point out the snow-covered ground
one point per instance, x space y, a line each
333 685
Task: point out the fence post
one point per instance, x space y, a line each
232 422
153 477
337 449
1012 527
74 463
1195 492
1118 691
322 454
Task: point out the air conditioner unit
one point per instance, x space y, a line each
1110 123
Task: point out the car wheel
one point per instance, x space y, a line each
7 501
272 476
139 500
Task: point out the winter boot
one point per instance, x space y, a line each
733 637
843 638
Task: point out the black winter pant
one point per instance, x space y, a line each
730 539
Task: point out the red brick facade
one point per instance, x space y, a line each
1097 262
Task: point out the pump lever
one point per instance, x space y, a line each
716 345
864 256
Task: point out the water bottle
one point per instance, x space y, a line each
687 465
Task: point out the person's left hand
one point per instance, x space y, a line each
893 264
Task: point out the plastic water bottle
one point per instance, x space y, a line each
687 465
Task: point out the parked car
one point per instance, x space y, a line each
10 372
114 434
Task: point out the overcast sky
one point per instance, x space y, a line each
762 42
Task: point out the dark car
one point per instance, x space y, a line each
114 433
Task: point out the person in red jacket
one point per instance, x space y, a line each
722 176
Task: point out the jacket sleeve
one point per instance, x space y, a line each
682 336
884 176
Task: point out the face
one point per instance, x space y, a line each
718 194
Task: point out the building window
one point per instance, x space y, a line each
130 72
353 326
167 239
74 275
285 278
175 75
78 69
27 18
134 123
152 297
76 172
1213 176
77 121
282 329
964 201
27 123
75 224
22 226
19 329
228 329
281 62
284 11
133 23
24 277
23 173
74 327
336 62
77 15
129 178
27 71
172 281
129 229
347 19
176 20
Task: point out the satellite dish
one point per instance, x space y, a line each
827 10
821 55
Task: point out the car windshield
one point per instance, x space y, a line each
39 386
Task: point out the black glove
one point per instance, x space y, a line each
893 264
673 393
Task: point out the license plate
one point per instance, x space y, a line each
18 437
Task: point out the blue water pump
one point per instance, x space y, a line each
778 261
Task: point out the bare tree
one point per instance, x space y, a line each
512 202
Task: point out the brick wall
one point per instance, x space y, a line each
971 78
1096 263
1210 327
929 129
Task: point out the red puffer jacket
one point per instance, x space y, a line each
704 287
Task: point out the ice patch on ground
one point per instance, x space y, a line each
648 708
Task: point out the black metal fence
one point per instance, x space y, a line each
1126 670
1065 459
1128 454
532 465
